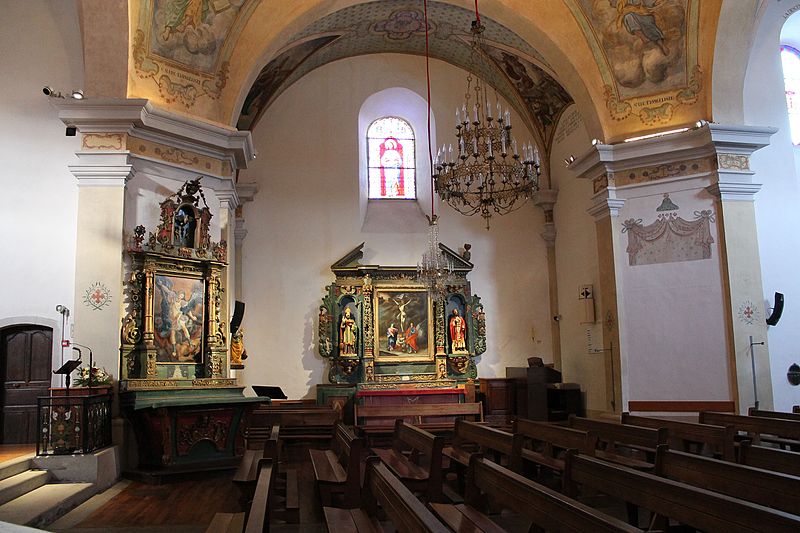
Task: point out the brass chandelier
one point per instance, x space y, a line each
486 173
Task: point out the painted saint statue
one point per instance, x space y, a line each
458 333
347 333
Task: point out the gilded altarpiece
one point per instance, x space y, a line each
175 389
380 329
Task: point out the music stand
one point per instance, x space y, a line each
273 393
66 369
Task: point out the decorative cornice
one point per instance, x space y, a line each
228 199
139 118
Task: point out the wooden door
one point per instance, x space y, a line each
25 360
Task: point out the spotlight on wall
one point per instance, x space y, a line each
49 91
71 131
76 94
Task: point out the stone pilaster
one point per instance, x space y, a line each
663 338
546 200
734 192
102 177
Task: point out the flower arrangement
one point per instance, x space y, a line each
99 377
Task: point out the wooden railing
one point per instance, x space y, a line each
73 424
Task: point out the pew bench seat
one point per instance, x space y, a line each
462 517
351 521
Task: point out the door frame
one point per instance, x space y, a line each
54 325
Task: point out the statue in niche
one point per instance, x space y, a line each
347 333
185 226
458 333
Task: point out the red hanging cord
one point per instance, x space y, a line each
477 15
428 79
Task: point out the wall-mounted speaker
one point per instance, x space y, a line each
777 310
238 315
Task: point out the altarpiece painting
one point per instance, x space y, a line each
380 328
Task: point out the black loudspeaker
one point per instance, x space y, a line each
776 311
238 315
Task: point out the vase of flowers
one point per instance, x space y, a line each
100 378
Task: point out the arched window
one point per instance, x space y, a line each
391 169
790 57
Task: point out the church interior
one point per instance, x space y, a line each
546 245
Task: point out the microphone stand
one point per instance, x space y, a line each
90 364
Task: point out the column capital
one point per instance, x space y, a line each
239 232
106 169
546 199
246 192
605 206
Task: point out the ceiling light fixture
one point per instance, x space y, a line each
485 173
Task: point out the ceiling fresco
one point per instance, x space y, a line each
647 54
183 46
508 63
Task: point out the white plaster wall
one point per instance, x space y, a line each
306 216
41 45
777 215
576 263
674 337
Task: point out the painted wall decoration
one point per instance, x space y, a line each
748 313
184 46
511 66
178 319
669 238
97 296
647 54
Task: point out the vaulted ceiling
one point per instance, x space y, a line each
629 65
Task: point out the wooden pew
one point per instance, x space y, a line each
685 435
773 414
247 472
257 518
546 508
548 442
621 442
785 433
470 438
338 470
381 488
771 489
696 507
416 458
380 419
297 422
769 458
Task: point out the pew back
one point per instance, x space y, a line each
771 489
681 435
547 508
402 508
773 414
769 458
696 507
756 425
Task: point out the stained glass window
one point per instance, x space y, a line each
391 159
790 57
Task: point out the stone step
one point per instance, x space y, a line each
45 504
15 486
15 466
